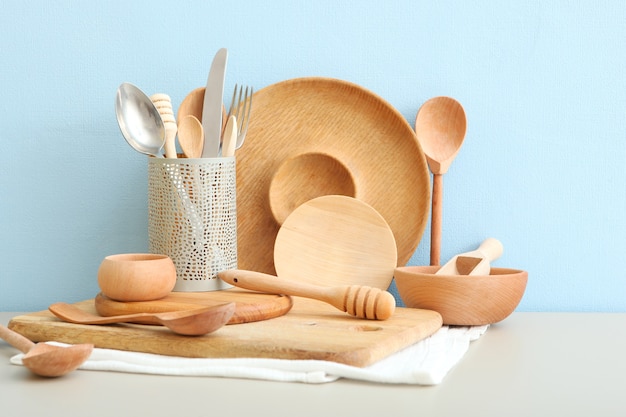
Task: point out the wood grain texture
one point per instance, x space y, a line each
336 240
462 300
249 305
311 330
373 147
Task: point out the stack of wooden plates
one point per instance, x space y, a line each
310 137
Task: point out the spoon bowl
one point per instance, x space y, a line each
440 127
191 136
194 322
44 359
139 120
192 106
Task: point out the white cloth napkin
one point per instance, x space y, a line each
424 363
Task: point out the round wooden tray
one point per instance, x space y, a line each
249 305
310 137
336 240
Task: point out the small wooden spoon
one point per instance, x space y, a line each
357 300
440 126
193 322
47 360
191 136
229 141
192 105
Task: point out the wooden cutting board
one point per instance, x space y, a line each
249 305
311 330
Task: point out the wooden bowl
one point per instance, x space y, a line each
461 299
136 276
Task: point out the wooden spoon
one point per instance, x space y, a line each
192 105
229 143
44 359
191 136
357 300
193 322
440 126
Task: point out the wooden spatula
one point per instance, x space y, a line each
476 262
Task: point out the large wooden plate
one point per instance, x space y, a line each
310 137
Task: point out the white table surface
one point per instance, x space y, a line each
531 364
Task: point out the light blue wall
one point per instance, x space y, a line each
542 167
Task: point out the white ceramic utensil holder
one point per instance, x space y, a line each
192 218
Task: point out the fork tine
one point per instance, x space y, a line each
232 102
238 106
243 106
245 119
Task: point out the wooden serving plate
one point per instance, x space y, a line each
316 136
249 305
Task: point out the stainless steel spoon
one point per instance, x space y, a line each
139 120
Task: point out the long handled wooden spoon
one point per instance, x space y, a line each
193 322
360 301
44 359
440 126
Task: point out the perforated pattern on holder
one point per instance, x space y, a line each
192 218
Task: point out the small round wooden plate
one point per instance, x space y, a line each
316 136
336 240
249 305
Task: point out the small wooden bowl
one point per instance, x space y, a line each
136 276
461 299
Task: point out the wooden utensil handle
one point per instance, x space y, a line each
15 339
435 220
170 139
258 281
359 301
491 248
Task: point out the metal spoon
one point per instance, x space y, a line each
193 322
440 127
139 120
47 360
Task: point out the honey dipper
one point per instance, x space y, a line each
357 300
163 103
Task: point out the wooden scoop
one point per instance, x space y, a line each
44 359
193 322
359 301
476 262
